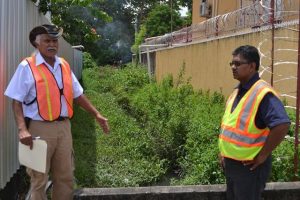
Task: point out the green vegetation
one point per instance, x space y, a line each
139 38
107 28
161 133
158 21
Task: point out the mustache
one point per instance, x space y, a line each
51 48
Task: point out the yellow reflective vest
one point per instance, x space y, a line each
48 94
239 137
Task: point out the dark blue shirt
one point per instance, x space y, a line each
270 112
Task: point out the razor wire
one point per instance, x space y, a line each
246 19
278 17
283 10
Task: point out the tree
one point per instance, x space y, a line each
159 20
76 17
186 3
107 28
116 35
141 8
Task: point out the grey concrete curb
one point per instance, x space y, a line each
273 191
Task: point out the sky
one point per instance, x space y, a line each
183 11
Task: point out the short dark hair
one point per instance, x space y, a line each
250 53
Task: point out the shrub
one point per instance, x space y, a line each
88 61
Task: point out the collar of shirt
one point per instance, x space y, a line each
41 60
242 89
249 84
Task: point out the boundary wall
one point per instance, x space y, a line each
207 62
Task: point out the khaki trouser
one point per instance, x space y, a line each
58 136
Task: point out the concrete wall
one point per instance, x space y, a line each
207 62
218 7
196 18
273 191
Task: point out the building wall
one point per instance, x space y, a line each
218 7
196 18
17 18
207 63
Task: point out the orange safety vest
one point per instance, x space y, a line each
48 94
239 137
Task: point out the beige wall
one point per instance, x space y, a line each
222 7
207 62
196 18
293 7
218 7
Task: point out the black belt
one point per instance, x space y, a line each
60 118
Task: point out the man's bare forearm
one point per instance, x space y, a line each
83 102
19 116
275 137
24 135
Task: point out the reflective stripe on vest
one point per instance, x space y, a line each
240 139
48 94
67 85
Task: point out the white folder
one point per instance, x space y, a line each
34 158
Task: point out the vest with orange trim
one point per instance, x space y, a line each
48 94
239 137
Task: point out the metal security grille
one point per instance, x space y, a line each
17 18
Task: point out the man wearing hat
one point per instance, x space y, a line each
43 89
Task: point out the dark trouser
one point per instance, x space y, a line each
244 184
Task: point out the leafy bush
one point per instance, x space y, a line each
139 38
283 162
113 160
88 61
163 113
200 165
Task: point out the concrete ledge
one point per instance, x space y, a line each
273 191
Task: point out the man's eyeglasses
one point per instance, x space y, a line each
237 63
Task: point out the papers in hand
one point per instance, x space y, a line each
34 158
